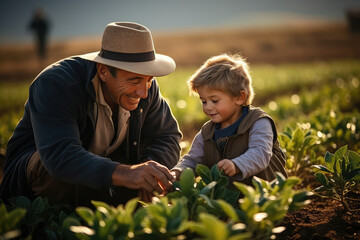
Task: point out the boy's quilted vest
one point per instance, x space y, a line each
238 144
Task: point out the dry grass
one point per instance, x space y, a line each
190 48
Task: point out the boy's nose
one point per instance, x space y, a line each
208 107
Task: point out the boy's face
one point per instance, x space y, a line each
220 106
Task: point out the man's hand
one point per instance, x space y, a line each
145 196
228 167
150 176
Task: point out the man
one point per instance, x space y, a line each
39 25
95 126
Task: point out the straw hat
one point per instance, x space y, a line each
129 46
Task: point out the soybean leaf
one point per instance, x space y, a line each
215 229
256 182
8 221
353 175
131 205
231 196
322 168
21 201
38 206
228 210
307 134
100 204
138 219
50 234
339 156
215 172
288 132
207 188
322 179
86 214
338 165
298 138
245 189
309 141
300 199
341 152
207 200
354 159
329 161
204 172
70 221
187 181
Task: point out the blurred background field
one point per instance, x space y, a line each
289 67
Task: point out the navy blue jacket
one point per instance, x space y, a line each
59 122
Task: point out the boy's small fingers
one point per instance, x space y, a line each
225 166
221 164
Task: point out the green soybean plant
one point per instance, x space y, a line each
340 175
298 144
163 219
264 206
43 220
221 189
201 193
209 227
107 222
9 222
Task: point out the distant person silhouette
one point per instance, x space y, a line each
39 25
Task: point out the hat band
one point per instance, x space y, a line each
128 57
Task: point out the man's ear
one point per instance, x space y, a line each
102 71
241 98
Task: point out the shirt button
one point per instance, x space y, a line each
135 143
141 110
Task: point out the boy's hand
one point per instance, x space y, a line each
229 167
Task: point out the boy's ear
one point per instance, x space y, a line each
102 71
241 98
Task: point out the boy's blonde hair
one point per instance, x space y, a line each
227 73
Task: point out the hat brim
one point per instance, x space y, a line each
162 65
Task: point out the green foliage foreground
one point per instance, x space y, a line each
340 175
199 208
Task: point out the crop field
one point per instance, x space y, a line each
314 99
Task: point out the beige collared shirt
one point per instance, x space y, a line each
103 143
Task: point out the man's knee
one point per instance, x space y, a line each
42 184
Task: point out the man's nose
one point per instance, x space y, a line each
142 90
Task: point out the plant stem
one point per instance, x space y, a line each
343 201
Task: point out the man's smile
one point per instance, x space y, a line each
133 99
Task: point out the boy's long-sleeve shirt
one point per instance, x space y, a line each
254 160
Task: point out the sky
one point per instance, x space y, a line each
88 18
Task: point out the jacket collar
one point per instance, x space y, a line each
90 74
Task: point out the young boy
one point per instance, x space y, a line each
239 138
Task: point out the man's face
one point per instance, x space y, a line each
126 89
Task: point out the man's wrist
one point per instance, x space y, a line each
118 174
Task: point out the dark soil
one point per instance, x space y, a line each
323 218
